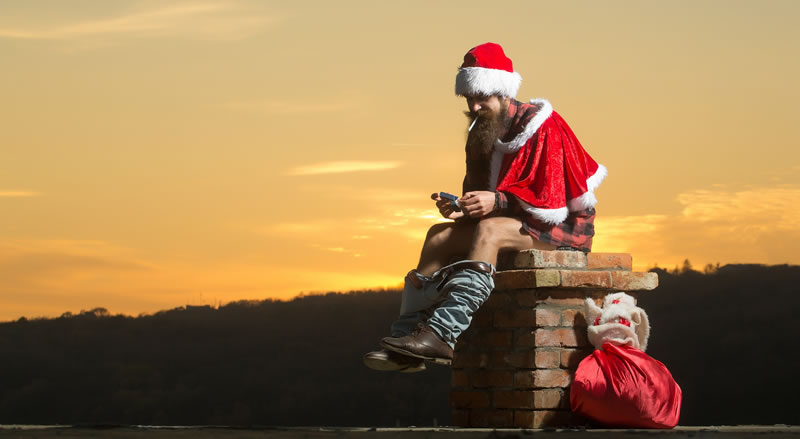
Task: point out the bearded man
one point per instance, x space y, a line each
529 184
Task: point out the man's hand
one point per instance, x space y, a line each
446 207
477 204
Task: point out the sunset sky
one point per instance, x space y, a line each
155 154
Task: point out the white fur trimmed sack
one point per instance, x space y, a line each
618 385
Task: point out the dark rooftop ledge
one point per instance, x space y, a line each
210 431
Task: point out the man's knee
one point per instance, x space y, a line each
491 232
438 234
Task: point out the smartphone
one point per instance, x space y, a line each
453 200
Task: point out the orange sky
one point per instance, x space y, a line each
155 153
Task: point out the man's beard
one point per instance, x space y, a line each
488 127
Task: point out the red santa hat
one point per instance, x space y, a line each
487 71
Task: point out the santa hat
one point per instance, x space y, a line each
619 321
487 71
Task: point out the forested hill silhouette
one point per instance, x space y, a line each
727 335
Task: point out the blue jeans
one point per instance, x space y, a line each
448 310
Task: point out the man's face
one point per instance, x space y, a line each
484 105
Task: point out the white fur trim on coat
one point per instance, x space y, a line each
502 148
585 201
549 216
588 199
472 81
516 143
595 180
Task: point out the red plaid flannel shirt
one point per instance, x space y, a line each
575 233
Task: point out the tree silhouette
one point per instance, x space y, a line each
726 334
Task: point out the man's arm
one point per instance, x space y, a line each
507 204
478 204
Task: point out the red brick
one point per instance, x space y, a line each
547 359
521 259
460 418
519 279
527 298
463 399
573 317
627 280
560 297
570 358
547 317
482 319
491 418
549 259
564 259
469 360
609 261
550 399
515 360
512 399
552 418
598 296
459 378
568 337
551 378
498 299
523 379
492 378
505 260
519 318
592 279
523 419
526 339
494 339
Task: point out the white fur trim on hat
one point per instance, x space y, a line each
471 81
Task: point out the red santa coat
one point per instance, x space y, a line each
542 163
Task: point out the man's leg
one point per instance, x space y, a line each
469 289
501 233
420 296
443 242
466 288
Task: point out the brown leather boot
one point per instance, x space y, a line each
388 361
422 343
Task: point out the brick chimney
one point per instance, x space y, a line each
513 366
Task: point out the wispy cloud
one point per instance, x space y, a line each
755 224
19 194
41 264
213 20
762 208
339 167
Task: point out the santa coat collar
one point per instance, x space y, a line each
528 128
536 195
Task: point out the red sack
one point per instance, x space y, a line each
621 386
